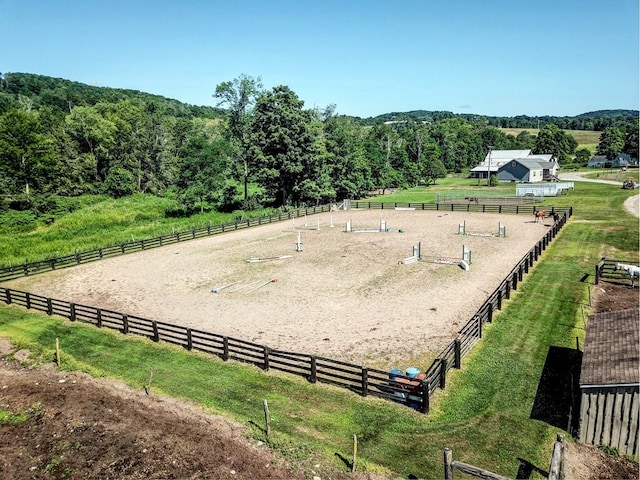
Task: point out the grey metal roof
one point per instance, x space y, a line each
530 163
612 349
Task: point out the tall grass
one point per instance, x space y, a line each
484 414
100 223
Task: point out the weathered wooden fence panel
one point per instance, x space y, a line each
609 417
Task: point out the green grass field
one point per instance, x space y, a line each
484 414
586 138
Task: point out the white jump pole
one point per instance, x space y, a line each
299 244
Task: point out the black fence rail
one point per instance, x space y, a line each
457 207
606 269
412 391
32 268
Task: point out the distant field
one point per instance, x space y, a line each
585 138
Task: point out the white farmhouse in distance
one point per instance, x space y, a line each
496 159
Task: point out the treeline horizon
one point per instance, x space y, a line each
78 93
258 148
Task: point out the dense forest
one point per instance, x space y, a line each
258 147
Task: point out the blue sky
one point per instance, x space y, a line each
490 57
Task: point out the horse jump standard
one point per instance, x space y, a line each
502 231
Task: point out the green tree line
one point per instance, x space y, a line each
259 147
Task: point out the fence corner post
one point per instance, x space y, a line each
448 460
425 397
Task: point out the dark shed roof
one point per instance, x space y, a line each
612 349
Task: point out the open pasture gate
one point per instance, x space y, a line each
349 228
502 231
464 262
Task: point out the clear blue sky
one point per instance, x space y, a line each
368 57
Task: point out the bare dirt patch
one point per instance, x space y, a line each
86 428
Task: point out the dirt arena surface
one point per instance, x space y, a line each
345 296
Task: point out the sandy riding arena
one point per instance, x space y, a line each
345 296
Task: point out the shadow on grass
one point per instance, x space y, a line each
557 400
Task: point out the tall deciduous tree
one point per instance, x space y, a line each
203 174
611 142
553 140
282 144
27 155
94 134
239 97
351 172
631 140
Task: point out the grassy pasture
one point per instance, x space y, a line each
484 415
586 138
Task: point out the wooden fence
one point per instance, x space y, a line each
606 268
414 392
555 472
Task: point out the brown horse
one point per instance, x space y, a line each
538 214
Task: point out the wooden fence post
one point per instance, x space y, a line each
225 348
156 334
457 353
313 377
443 373
365 381
189 339
125 324
479 326
49 306
448 460
72 312
267 418
99 318
520 272
490 313
57 351
355 453
555 467
424 408
265 354
8 296
27 297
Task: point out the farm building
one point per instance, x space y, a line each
610 381
542 189
621 160
498 159
521 170
597 161
494 160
